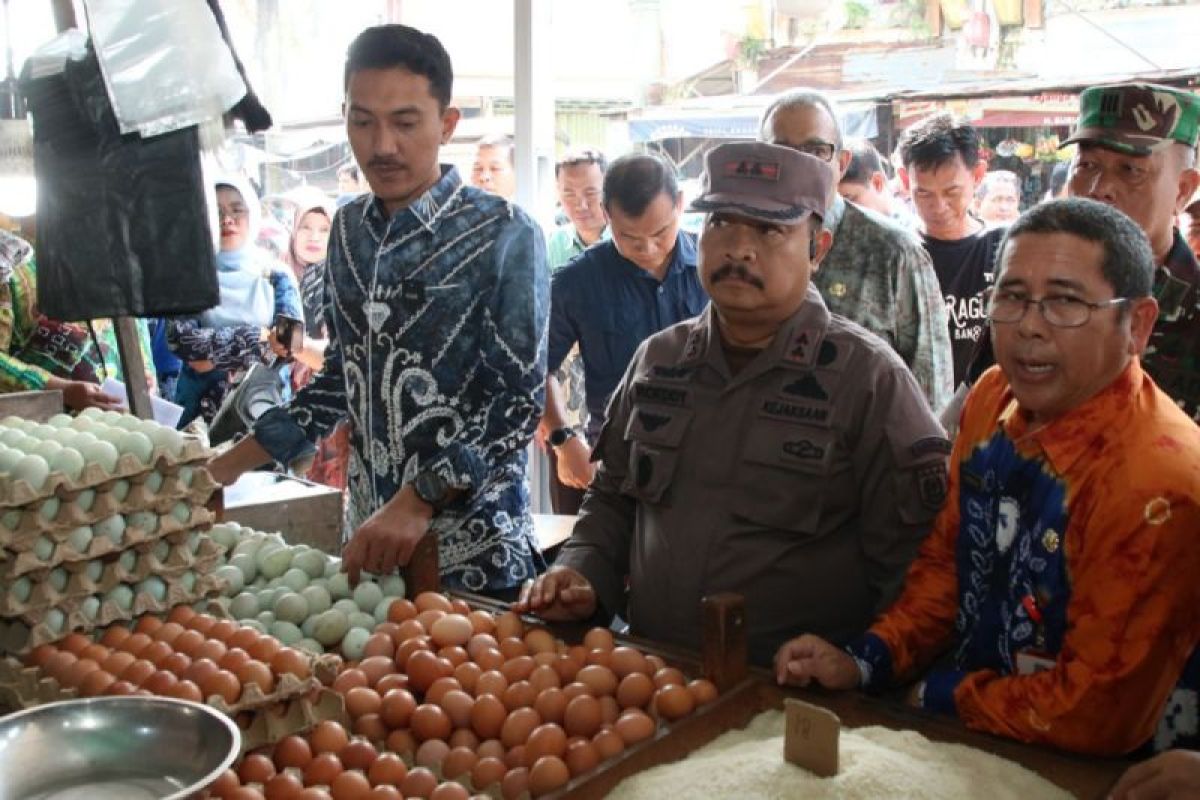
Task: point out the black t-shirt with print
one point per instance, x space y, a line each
964 269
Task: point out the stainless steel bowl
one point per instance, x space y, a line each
114 747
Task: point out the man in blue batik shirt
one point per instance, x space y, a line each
437 300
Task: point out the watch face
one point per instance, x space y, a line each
560 436
430 488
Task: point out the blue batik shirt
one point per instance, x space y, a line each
437 321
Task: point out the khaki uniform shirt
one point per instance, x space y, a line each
806 482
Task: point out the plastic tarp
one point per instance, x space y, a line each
740 124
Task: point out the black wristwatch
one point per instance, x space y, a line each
560 436
432 488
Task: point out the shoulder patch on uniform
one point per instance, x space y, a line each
933 484
929 446
828 354
808 386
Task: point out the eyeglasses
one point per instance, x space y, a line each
816 147
1061 311
235 214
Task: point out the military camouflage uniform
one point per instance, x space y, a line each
878 275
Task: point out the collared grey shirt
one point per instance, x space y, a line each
878 275
806 482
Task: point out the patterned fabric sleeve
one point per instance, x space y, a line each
287 294
517 320
230 348
15 374
923 334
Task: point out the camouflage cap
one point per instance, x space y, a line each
1136 118
764 181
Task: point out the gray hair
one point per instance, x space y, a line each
801 98
1128 263
998 176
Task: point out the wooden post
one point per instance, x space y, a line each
133 366
726 652
423 573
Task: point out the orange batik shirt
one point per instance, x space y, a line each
1057 599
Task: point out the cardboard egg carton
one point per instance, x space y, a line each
15 493
179 559
109 612
21 558
271 723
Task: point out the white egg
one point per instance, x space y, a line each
162 550
120 490
46 448
112 528
182 512
68 461
80 538
8 458
21 589
185 475
10 436
26 443
91 412
90 607
128 422
12 421
153 586
81 438
49 509
188 580
145 521
166 439
154 482
41 431
128 560
11 519
122 595
58 579
232 577
59 421
136 444
86 499
102 454
33 470
193 542
112 416
55 620
94 570
43 548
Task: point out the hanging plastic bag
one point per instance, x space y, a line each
164 62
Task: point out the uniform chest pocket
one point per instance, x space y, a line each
785 470
654 436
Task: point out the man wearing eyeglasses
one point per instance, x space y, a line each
1060 577
876 274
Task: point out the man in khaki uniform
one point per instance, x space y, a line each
765 447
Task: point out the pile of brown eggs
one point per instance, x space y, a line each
481 702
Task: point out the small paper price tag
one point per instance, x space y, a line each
810 737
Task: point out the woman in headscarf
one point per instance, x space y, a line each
306 257
255 288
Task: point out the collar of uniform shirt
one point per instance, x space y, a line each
427 208
1064 440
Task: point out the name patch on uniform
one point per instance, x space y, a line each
794 412
808 386
663 395
671 373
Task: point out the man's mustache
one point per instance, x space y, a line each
734 270
387 163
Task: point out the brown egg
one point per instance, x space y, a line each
371 727
264 649
200 670
424 668
244 638
437 691
350 785
401 611
598 639
519 726
226 782
391 629
451 629
138 672
322 770
114 635
283 786
189 642
175 662
512 647
547 774
488 716
467 674
583 716
117 662
376 668
96 652
508 625
656 662
635 690
546 740
459 761
400 741
358 754
350 678
379 644
519 695
487 771
703 691
669 676
515 783
201 622
598 656
181 614
381 792
634 726
147 625
454 654
167 632
545 659
427 618
457 704
328 736
222 629
582 756
427 600
543 678
517 668
213 650
222 683
397 680
429 721
134 643
573 690
599 680
464 737
74 672
389 769
411 629
492 748
256 768
491 682
258 673
360 700
406 649
293 662
490 659
431 753
121 688
608 743
419 782
551 705
396 708
626 661
59 661
540 640
482 621
293 751
186 690
38 655
449 790
480 642
156 653
610 709
673 701
96 683
232 660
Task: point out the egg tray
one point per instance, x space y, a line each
179 560
293 709
143 603
20 492
22 560
140 498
